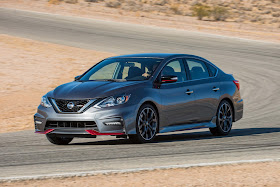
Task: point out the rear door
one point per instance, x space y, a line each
206 88
177 98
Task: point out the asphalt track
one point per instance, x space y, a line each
255 64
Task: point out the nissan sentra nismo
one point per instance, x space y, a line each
140 95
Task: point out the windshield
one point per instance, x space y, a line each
122 69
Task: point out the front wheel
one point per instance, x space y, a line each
146 125
58 140
224 119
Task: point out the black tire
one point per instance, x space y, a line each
224 119
146 125
58 140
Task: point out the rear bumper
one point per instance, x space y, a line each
238 110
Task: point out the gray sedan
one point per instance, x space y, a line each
140 95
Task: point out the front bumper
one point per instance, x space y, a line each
118 120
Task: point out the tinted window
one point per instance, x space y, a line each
127 68
130 69
176 68
213 70
106 72
198 69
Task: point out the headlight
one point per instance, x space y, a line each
45 102
112 101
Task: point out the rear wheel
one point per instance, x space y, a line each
58 140
224 119
146 125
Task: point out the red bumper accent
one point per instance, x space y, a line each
93 132
45 132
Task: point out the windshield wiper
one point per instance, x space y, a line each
112 80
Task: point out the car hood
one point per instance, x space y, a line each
91 89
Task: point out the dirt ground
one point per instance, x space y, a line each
29 69
255 31
254 175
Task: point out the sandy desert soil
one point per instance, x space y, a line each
29 69
255 175
98 11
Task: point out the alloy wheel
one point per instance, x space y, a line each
147 123
225 117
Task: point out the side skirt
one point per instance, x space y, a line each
210 124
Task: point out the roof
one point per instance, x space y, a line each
151 55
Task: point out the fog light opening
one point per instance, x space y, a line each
38 122
117 123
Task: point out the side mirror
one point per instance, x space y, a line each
77 77
169 79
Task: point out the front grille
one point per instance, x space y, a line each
78 104
71 124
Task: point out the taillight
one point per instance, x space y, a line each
236 82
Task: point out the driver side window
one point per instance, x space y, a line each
175 68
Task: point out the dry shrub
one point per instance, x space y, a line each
275 1
71 1
176 8
256 19
160 2
200 11
276 14
131 3
55 2
113 3
93 1
219 13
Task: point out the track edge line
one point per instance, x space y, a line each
133 170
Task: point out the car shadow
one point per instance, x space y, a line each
207 135
161 138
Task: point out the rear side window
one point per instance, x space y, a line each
213 70
197 69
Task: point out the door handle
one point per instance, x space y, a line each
189 92
215 89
